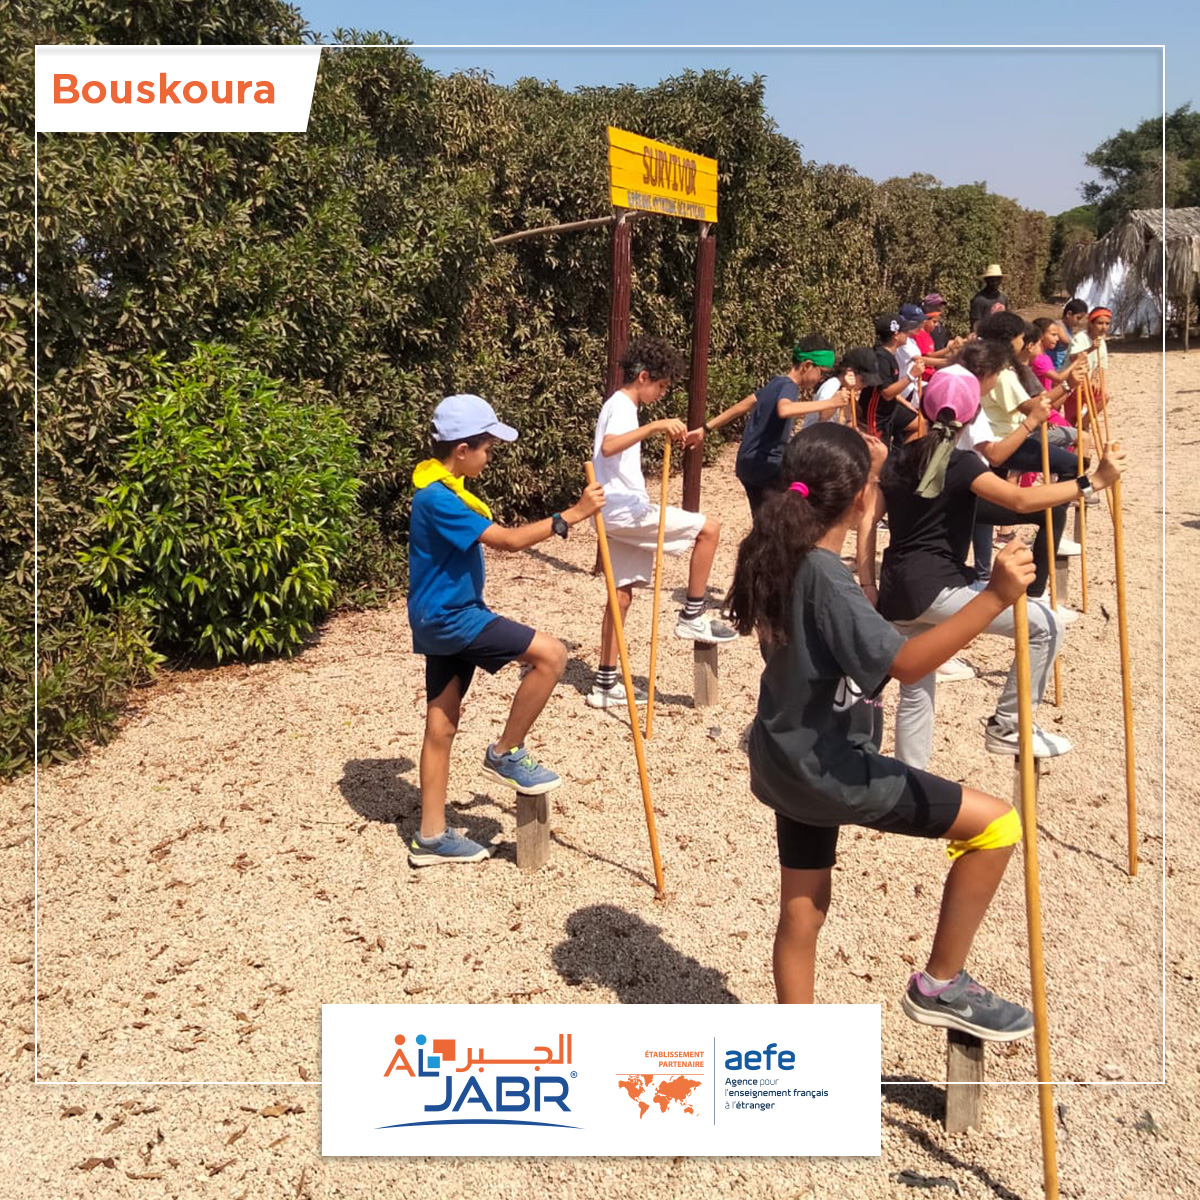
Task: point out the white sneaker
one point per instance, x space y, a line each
953 670
1067 616
1004 739
1068 548
613 697
703 629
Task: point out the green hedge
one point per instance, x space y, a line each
354 265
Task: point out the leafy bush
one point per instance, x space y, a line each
233 508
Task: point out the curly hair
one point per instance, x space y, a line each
832 461
1001 327
654 355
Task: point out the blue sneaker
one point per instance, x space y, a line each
452 846
520 770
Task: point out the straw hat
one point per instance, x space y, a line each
993 272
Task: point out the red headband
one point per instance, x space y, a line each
1096 312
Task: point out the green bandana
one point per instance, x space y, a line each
819 358
934 479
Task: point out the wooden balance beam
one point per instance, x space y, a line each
705 673
964 1051
533 830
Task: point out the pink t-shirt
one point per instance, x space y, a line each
1041 366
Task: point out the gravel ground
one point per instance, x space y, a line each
232 860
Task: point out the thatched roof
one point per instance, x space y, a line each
1137 242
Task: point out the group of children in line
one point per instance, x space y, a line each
924 436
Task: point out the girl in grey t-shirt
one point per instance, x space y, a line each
813 756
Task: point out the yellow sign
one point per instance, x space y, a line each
655 177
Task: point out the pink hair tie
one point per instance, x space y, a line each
802 488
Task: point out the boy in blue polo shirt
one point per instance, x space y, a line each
457 632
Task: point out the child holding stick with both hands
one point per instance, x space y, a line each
812 759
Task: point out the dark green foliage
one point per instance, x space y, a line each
233 508
354 265
1132 164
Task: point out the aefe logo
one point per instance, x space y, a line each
476 1099
760 1060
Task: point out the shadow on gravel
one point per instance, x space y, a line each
922 1139
374 789
609 947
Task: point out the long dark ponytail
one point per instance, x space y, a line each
832 462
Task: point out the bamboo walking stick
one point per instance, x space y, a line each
627 679
1033 911
1080 417
1126 682
658 557
1052 581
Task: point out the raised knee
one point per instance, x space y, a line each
711 528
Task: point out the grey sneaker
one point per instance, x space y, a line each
520 770
613 697
968 1006
703 629
1005 739
452 846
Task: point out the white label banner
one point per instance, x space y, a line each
579 1079
174 89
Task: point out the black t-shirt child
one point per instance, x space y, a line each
766 433
928 538
811 752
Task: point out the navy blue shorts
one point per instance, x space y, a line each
927 808
496 645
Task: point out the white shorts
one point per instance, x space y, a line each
632 547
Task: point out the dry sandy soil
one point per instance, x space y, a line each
232 860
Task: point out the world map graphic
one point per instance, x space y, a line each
677 1090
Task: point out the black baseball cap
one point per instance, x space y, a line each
865 365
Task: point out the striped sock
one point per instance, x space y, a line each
606 678
693 607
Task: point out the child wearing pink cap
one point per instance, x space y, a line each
929 491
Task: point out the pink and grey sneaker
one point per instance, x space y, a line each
968 1006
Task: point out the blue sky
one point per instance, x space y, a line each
1020 119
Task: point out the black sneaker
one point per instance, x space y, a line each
968 1006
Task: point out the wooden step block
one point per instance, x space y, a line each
964 1081
533 831
704 673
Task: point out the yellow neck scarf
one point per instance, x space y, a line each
432 471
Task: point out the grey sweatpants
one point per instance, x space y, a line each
914 716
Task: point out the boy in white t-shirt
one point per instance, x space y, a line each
648 367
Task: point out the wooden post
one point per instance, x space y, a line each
704 673
1062 573
618 312
1081 512
658 557
964 1081
1126 682
1051 565
639 749
1027 767
533 830
693 459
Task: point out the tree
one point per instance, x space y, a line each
1132 165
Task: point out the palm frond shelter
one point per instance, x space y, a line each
1135 251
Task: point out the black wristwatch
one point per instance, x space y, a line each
1085 486
559 525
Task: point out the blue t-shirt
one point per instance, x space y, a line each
445 572
766 433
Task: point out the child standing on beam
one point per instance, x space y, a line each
457 632
812 759
648 366
773 409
